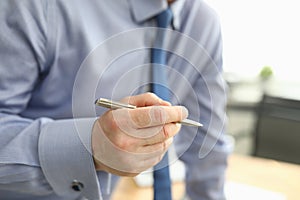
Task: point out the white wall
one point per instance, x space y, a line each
257 33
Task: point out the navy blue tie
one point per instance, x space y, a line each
161 175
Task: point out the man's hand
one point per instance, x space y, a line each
126 142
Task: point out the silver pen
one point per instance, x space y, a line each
117 105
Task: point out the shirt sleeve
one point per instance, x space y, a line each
38 156
66 158
44 156
206 154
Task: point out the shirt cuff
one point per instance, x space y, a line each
66 158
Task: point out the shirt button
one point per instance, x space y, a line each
77 186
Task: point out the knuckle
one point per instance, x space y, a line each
164 145
151 95
113 125
128 144
122 143
118 142
167 143
142 119
166 132
159 114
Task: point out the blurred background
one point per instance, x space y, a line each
262 67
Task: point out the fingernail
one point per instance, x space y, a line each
178 125
184 112
169 141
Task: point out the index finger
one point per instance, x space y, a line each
146 99
157 115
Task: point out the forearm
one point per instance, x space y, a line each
44 156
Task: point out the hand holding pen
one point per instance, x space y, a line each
128 141
119 105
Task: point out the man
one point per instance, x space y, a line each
57 57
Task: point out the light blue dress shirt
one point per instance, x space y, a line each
46 106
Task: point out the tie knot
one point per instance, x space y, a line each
164 18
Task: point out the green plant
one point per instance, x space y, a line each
266 72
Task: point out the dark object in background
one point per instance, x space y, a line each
278 129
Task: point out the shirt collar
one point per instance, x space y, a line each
143 10
177 7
